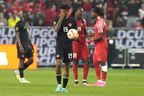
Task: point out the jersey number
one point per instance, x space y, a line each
65 29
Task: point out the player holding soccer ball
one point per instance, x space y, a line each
64 46
80 48
101 47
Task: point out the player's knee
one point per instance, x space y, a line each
75 62
104 67
58 62
85 61
31 61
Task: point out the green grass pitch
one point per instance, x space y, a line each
119 83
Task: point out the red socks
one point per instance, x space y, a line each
104 74
85 71
97 70
75 71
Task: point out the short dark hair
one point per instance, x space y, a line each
65 6
99 11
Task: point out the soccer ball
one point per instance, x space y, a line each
72 34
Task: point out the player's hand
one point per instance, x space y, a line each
90 40
90 35
62 15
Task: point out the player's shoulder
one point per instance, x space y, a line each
19 23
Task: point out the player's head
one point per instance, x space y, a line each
64 9
27 14
97 12
79 12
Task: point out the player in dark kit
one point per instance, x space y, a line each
64 46
24 46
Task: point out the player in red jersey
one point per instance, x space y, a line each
80 48
101 47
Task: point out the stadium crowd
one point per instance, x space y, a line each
123 13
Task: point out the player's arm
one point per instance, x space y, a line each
100 27
31 45
18 38
96 39
57 24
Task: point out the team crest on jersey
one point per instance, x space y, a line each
17 29
69 24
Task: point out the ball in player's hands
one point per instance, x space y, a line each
72 34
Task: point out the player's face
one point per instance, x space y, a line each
64 12
27 16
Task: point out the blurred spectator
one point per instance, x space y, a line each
133 6
3 21
141 11
139 24
112 9
38 18
38 13
13 19
120 19
51 14
111 36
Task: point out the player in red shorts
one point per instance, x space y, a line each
80 48
101 47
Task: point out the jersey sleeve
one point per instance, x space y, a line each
100 26
17 27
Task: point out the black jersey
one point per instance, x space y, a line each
68 23
24 35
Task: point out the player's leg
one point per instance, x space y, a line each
102 62
66 77
29 56
20 68
58 74
104 70
85 71
68 57
75 71
85 55
96 64
19 73
75 62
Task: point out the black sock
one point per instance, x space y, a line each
58 77
25 66
21 72
65 81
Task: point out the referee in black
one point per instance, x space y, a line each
63 46
24 46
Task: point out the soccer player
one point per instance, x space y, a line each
101 46
80 48
64 46
24 46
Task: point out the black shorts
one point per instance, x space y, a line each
64 52
28 53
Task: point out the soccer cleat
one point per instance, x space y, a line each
17 75
76 83
84 83
58 89
64 90
23 80
100 83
